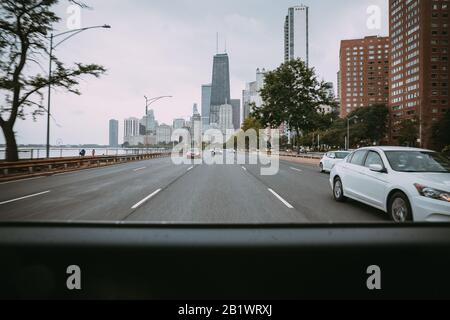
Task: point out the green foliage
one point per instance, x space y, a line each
24 29
292 95
249 124
370 125
446 151
252 123
408 133
441 133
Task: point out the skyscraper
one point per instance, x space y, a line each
131 127
236 106
113 133
195 109
296 34
251 93
179 124
206 103
150 122
330 90
338 98
131 131
220 87
163 134
419 35
225 117
364 73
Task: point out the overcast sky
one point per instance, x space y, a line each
165 47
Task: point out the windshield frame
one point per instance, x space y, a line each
343 153
429 153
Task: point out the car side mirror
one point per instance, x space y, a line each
332 156
376 168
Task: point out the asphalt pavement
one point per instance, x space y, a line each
158 190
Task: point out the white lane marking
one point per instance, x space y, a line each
244 168
295 169
139 169
287 204
190 168
137 205
15 181
26 197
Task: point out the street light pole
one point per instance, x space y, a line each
49 96
53 47
149 102
348 131
348 135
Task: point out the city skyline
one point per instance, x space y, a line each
254 37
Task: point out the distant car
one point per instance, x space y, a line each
409 184
194 154
216 151
330 159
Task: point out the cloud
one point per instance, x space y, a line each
166 48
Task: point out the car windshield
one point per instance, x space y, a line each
220 112
341 155
418 161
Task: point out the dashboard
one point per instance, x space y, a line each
126 261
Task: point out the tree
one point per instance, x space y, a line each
24 26
292 95
251 123
441 132
370 127
408 133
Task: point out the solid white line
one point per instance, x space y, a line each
138 169
190 168
137 205
15 181
26 197
295 169
63 173
287 204
244 168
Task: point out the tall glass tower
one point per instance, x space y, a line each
296 34
206 103
220 87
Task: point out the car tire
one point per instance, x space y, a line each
399 208
338 190
321 168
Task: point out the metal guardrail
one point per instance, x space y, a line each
37 167
39 153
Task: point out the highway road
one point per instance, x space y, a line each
157 191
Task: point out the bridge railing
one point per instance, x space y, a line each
28 168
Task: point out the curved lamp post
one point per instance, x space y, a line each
69 34
149 102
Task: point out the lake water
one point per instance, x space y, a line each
39 153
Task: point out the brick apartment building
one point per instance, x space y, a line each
419 37
364 73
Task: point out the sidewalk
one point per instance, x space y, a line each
312 162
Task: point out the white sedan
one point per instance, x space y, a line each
330 159
409 184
